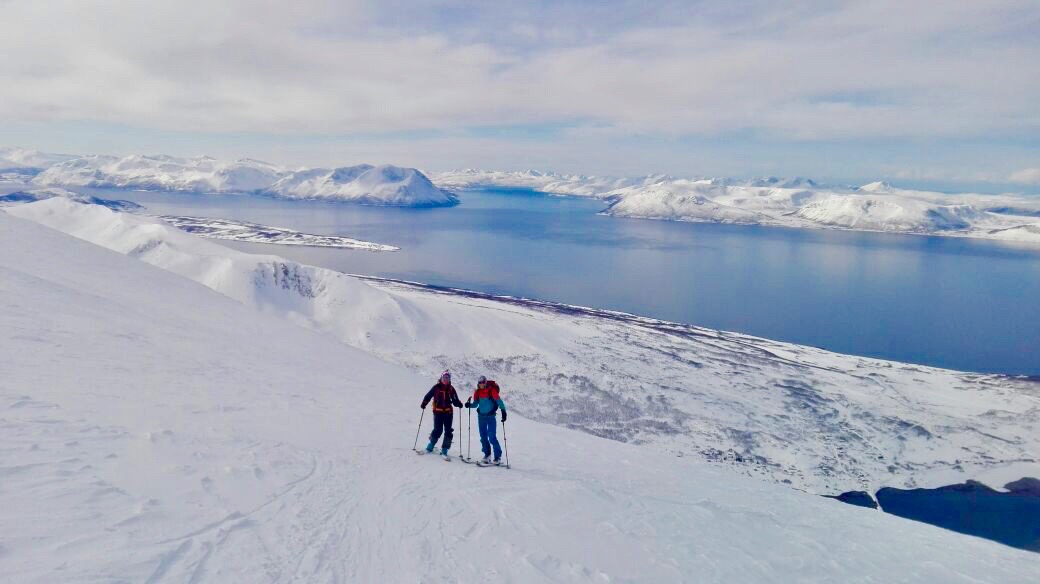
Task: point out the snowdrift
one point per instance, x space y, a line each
156 431
792 414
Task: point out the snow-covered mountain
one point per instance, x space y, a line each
797 202
544 182
890 213
157 431
161 172
686 204
796 415
26 159
874 207
19 165
366 184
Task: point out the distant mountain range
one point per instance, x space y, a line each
365 184
796 202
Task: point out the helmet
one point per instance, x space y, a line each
446 374
481 379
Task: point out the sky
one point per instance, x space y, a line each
944 92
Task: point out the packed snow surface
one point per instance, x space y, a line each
797 202
797 415
372 185
253 232
155 430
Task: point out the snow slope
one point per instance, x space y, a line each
379 185
797 415
156 431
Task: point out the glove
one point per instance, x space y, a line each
468 404
503 416
422 406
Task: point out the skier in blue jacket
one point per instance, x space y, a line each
487 401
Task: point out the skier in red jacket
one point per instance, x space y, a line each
444 397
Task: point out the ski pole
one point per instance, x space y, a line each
505 442
469 434
460 432
416 444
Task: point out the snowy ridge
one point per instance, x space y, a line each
819 421
366 184
243 231
198 439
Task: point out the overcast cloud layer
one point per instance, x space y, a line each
579 73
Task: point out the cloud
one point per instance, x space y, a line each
1029 176
857 70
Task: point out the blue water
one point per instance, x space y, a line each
958 303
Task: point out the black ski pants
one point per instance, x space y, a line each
442 422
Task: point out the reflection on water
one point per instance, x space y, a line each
958 303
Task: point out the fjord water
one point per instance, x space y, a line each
950 302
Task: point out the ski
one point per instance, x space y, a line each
481 463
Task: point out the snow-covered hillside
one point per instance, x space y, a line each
379 185
156 431
796 415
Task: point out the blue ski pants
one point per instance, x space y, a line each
488 429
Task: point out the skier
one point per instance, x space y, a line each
444 397
488 401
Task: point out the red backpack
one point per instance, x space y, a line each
492 389
491 392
